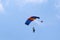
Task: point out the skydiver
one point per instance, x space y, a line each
33 29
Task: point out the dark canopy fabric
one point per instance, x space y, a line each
32 18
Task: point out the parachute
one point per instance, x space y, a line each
32 18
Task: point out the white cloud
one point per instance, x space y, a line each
58 16
1 7
36 1
57 7
24 2
7 2
0 0
57 4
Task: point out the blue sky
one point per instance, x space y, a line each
14 13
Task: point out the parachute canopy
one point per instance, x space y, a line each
32 18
